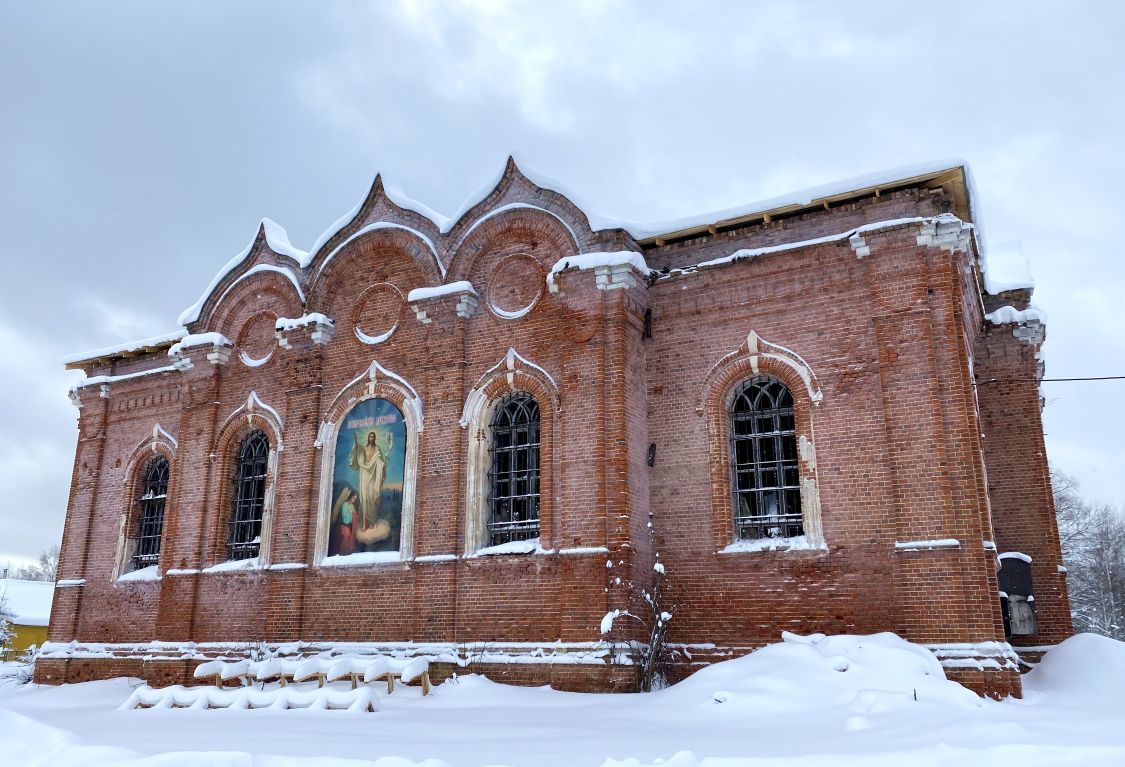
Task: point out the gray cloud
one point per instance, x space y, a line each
140 144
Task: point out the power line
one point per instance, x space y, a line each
1051 380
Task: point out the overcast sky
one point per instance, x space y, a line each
141 142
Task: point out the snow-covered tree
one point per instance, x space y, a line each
642 626
6 632
1093 544
45 569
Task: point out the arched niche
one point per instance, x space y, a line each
368 471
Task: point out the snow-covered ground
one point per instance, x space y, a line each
842 701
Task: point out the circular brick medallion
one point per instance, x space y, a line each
515 286
256 341
378 313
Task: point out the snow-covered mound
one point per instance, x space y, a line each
1086 666
864 673
27 742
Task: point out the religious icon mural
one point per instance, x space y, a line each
367 478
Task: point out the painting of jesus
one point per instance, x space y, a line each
367 478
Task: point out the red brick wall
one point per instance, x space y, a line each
884 331
1019 483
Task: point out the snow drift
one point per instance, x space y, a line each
817 671
1086 667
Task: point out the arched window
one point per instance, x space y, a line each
245 538
150 512
763 449
514 474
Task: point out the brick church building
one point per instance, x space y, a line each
448 437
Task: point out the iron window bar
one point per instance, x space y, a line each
763 449
150 525
245 538
514 471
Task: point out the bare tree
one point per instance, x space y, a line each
1093 544
642 627
46 569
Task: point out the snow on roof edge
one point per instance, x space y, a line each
645 230
642 231
124 348
277 239
27 602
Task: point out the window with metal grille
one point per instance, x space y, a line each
514 476
150 516
249 497
763 449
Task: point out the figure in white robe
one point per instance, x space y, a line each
370 461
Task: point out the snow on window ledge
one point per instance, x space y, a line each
937 543
531 546
793 543
580 550
150 573
362 559
1015 555
233 565
437 558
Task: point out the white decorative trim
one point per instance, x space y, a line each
515 206
789 358
511 362
123 554
159 431
375 340
859 245
252 362
382 225
753 351
375 374
254 402
258 269
257 412
477 414
945 231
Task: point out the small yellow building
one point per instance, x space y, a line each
27 606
